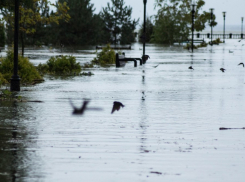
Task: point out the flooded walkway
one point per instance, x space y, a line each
167 131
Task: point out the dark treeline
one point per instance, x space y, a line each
68 23
74 23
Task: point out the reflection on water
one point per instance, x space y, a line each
11 139
168 128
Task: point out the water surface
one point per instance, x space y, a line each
167 131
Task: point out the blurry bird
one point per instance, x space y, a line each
83 108
155 66
116 106
241 64
222 69
239 40
190 67
231 51
145 57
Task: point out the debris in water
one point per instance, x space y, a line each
223 128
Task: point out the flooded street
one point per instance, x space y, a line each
167 131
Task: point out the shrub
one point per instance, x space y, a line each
216 41
203 44
2 80
8 95
188 46
105 57
26 70
60 65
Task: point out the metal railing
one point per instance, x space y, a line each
215 36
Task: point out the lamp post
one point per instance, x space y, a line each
224 27
242 29
15 80
211 23
192 29
144 34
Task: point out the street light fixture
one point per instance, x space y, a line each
15 80
242 28
224 27
211 23
192 29
144 34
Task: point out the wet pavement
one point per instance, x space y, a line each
167 131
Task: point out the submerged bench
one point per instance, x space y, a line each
121 60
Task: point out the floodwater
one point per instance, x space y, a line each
167 131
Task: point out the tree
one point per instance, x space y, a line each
30 15
174 18
83 28
118 23
2 34
148 30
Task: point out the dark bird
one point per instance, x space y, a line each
190 67
222 69
83 108
241 64
239 40
146 57
116 106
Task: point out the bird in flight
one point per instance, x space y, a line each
241 64
155 66
222 69
190 67
116 106
83 107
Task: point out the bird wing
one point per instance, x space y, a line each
115 107
85 103
72 104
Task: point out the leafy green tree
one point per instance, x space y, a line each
30 16
84 26
148 30
118 23
174 18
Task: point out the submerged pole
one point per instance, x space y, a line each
224 27
144 33
192 28
211 9
15 80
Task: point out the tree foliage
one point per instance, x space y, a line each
84 26
148 30
118 23
174 18
33 12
